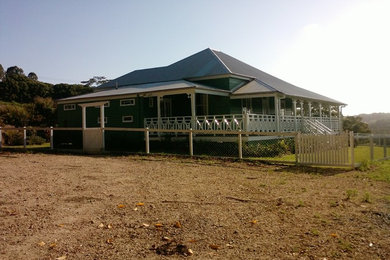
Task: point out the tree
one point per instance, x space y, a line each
14 70
66 90
2 74
32 76
355 124
95 81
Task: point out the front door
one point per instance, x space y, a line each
166 107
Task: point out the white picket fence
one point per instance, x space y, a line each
329 149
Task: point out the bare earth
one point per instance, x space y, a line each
131 207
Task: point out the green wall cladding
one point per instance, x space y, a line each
223 83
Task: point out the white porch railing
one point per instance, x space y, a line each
245 122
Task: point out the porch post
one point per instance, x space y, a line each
159 112
302 102
320 109
193 111
294 101
277 117
340 128
309 109
330 117
102 124
84 117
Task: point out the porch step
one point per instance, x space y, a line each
313 126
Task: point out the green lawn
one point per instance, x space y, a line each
34 146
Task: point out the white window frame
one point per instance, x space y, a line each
130 100
127 120
105 120
72 107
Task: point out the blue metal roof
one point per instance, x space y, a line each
209 63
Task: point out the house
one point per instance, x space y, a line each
209 90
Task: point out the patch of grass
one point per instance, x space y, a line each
300 204
380 171
315 232
333 204
345 245
350 194
367 197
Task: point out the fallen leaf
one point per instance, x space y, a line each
121 206
166 239
145 225
52 245
41 243
61 257
177 224
253 221
213 246
60 225
334 235
158 225
109 241
140 204
192 241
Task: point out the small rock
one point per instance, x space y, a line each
166 239
101 225
41 243
190 252
177 225
109 226
371 244
145 225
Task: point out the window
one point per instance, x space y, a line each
151 102
127 102
105 120
69 107
127 119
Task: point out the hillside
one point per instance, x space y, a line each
378 122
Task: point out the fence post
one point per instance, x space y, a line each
24 137
239 144
384 146
51 138
352 146
191 143
371 147
297 145
147 147
1 139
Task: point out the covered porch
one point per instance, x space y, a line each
267 113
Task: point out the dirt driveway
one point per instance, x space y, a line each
131 207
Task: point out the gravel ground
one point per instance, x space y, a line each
132 207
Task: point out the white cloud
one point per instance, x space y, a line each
347 59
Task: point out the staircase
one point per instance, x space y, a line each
315 127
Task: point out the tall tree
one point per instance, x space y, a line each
95 81
355 124
14 70
32 76
2 74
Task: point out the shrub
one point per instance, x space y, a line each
13 138
35 139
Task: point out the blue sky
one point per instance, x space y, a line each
338 48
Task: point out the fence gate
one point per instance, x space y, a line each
329 149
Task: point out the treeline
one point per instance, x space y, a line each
379 123
24 100
16 86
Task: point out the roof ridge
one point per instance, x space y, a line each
219 59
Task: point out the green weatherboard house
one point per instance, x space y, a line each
209 90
